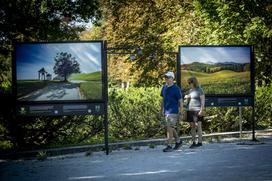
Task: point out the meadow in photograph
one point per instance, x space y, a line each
220 70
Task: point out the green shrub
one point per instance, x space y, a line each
133 114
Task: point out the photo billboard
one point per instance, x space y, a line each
225 73
59 78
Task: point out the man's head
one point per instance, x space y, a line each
169 77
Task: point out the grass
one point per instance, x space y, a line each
222 82
92 89
95 76
42 155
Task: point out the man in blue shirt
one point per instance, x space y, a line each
171 109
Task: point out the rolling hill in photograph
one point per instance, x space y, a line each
221 82
94 76
211 67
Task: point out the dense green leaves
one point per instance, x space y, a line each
133 113
264 106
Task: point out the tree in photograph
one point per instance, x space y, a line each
65 65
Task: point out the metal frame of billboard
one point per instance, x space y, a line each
64 107
224 100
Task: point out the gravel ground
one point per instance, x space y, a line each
233 160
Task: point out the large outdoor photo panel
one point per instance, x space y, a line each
225 73
48 74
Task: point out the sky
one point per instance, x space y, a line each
30 58
214 54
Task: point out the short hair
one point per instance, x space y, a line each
194 81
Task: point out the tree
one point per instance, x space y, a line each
155 25
65 65
240 22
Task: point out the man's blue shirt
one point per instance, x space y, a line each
171 96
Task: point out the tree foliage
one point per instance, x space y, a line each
142 23
158 26
240 22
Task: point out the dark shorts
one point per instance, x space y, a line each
192 116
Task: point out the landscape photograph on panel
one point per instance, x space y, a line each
221 70
61 71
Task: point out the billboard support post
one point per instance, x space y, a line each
106 123
253 123
106 129
178 71
253 100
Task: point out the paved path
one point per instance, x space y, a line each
212 162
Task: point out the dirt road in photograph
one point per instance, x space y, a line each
55 91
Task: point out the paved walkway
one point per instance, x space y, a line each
216 161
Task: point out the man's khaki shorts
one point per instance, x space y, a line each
171 120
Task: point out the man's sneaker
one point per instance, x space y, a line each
168 149
177 145
199 144
193 145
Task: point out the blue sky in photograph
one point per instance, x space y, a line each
214 54
30 58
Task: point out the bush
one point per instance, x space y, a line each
263 104
133 115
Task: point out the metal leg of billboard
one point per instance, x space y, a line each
253 123
106 129
106 123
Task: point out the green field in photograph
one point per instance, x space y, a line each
222 82
25 87
91 90
87 77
